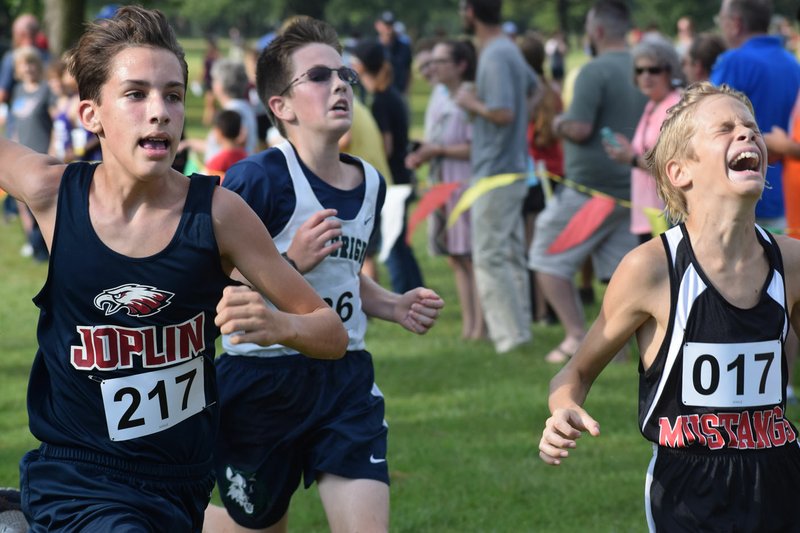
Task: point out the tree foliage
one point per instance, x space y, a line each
251 17
421 17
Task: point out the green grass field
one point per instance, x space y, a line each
464 422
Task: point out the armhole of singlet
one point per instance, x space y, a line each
673 308
72 171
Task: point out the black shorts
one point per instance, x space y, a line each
534 200
739 491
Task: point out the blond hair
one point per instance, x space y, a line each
28 54
675 142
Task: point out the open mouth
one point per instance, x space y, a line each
340 106
745 161
155 143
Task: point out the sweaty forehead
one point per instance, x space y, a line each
725 107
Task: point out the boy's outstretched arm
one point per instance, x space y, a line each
34 179
630 301
304 322
416 310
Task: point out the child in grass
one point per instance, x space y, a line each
122 390
711 304
283 415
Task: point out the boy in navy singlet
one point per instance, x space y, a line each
123 390
710 304
284 416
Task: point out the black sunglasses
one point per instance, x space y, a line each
320 74
654 71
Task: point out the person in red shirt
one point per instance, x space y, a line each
228 130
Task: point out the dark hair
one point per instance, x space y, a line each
371 54
131 26
274 69
705 48
464 51
614 16
486 11
532 48
754 14
229 123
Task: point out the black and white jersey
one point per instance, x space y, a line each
719 377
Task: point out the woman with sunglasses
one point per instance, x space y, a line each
657 73
446 149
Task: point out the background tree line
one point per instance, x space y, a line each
63 19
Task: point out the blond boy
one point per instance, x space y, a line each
710 304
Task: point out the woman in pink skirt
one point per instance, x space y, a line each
446 149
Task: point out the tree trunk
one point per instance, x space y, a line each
563 16
63 22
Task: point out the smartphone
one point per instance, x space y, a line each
609 137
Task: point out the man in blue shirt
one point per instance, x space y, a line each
758 65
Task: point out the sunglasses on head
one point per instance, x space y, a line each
320 74
650 70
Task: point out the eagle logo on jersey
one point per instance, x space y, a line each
137 300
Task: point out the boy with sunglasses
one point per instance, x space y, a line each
122 390
284 416
711 303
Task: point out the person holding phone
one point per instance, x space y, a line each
657 73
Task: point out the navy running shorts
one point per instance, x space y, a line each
65 489
287 416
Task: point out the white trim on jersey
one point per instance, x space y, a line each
777 289
648 485
336 278
691 286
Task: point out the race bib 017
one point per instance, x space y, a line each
732 375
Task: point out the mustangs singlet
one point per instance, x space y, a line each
718 380
126 345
